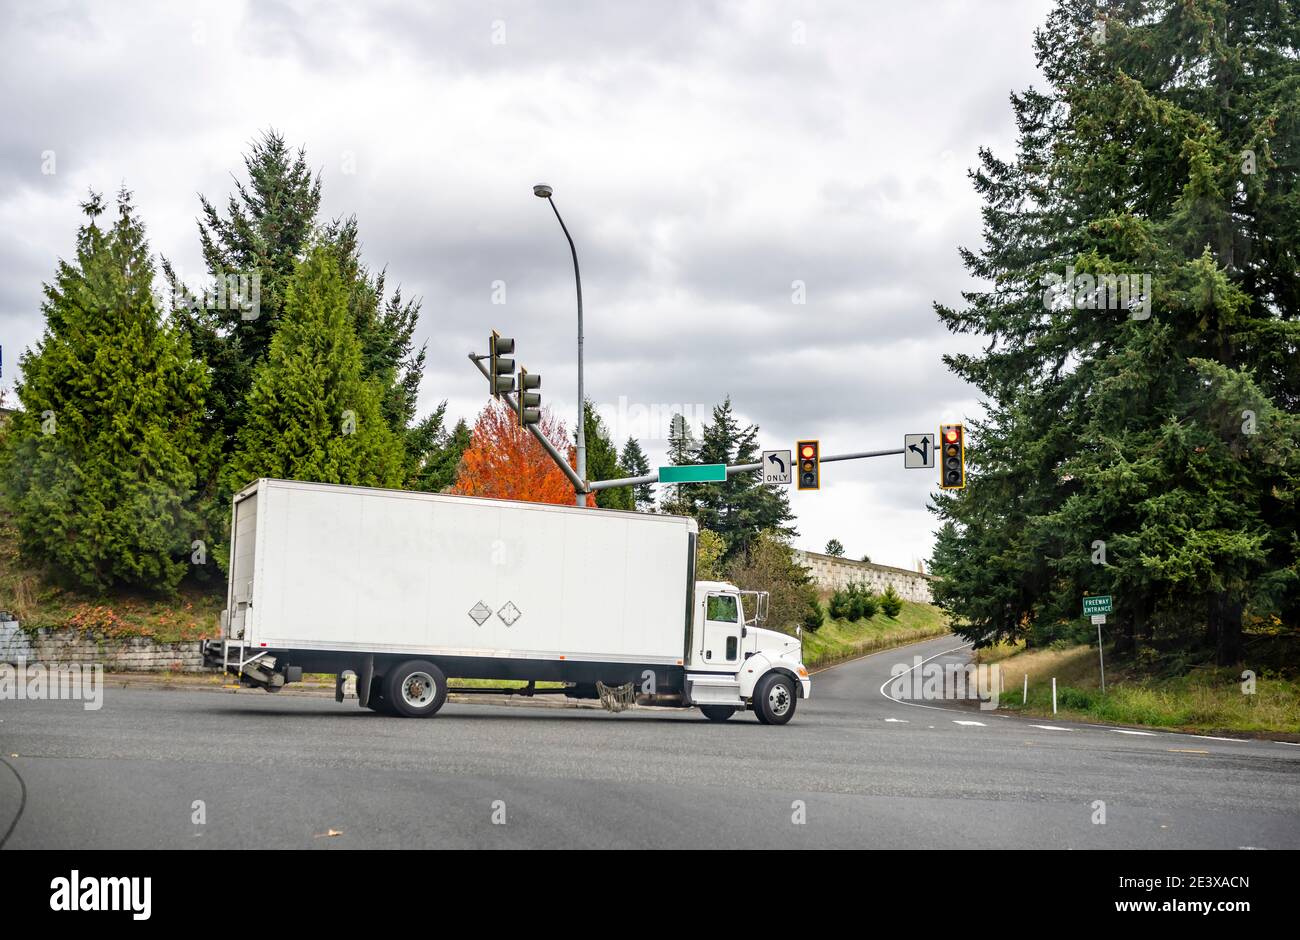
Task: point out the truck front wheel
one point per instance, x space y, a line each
415 689
774 699
718 712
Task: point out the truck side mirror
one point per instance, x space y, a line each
744 632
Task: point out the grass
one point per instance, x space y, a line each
1204 700
498 684
838 640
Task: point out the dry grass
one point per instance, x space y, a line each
1205 700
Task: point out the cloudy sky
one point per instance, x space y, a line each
706 157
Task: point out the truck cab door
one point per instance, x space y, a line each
719 647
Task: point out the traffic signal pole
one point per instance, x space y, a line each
597 485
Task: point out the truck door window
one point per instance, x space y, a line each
721 608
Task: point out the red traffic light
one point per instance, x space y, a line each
952 457
809 477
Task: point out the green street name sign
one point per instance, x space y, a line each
696 473
1098 604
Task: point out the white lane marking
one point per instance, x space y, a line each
901 721
921 663
978 724
1209 737
1049 727
1149 734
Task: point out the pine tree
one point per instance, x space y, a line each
267 228
385 328
835 547
636 464
742 506
441 452
312 415
602 462
1100 467
101 463
270 224
679 498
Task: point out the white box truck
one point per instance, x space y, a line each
396 592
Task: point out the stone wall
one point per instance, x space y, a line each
834 573
119 654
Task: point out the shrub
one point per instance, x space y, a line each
891 603
1077 699
841 605
814 616
866 603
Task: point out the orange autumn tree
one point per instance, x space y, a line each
504 461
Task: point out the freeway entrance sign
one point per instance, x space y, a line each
776 466
1096 604
694 473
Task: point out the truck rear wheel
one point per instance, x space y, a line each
774 699
415 689
718 712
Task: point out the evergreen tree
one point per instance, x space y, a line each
679 499
835 547
602 462
1165 149
741 506
440 462
100 465
266 230
384 328
270 224
636 464
312 415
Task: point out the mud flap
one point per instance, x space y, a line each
365 680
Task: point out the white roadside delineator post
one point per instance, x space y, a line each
1053 695
1024 695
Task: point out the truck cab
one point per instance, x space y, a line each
734 663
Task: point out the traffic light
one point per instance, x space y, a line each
952 457
530 402
809 460
500 370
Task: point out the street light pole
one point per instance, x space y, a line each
542 191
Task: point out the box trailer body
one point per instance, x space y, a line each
358 581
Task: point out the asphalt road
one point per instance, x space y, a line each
859 769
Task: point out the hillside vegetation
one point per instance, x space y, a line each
1203 699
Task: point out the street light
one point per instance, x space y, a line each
542 191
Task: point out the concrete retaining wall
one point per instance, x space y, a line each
122 654
834 573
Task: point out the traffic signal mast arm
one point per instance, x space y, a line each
597 485
511 402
